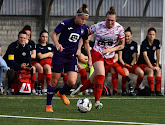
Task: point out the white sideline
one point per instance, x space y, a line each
110 98
79 120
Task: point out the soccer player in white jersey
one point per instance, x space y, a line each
110 37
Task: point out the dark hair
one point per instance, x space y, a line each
21 32
151 29
26 27
111 11
128 30
83 9
43 31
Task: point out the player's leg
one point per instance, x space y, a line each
158 82
51 90
114 80
140 75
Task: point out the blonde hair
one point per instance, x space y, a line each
83 10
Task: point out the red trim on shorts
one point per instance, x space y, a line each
96 56
33 63
46 61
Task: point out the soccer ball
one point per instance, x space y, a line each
84 105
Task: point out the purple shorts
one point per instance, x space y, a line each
60 64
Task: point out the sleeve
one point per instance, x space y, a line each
135 50
121 33
85 36
37 49
92 29
143 46
29 60
33 45
157 44
11 59
60 27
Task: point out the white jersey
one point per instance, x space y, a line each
106 38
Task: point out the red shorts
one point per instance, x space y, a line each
34 62
46 61
131 70
96 56
143 66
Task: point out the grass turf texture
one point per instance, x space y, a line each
116 108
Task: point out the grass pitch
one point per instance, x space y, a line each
116 110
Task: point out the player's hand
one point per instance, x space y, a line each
156 68
89 62
59 47
108 51
128 66
78 53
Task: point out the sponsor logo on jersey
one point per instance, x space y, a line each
62 23
70 28
74 37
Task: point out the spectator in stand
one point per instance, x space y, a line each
127 59
44 57
72 30
148 63
32 46
18 56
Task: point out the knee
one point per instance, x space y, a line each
71 82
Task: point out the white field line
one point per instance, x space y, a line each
125 98
79 120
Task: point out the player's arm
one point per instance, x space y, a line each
157 57
79 47
119 47
134 55
120 58
147 59
45 55
87 49
57 44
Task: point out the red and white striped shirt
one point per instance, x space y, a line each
106 38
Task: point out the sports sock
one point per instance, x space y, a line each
151 83
124 82
158 83
98 87
119 69
65 78
86 85
50 93
65 89
41 79
139 80
33 80
115 81
83 75
48 78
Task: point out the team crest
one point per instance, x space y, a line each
154 48
82 31
132 47
49 48
24 54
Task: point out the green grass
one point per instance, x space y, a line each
116 108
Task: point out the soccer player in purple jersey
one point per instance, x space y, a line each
65 54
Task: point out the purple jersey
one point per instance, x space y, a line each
150 51
70 36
